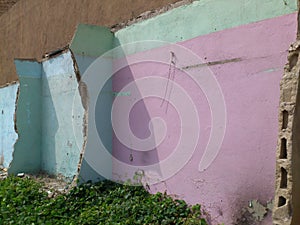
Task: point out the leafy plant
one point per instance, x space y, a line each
23 202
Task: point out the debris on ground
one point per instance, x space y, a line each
3 172
53 185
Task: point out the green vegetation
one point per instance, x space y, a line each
24 202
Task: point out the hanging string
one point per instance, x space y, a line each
171 77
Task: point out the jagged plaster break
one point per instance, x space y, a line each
8 134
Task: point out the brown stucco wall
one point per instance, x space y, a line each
33 27
5 5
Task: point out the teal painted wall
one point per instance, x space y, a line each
49 117
27 152
8 135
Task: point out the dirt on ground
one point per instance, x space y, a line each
53 185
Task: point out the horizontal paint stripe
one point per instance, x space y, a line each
203 17
247 42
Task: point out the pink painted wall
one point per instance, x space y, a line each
244 168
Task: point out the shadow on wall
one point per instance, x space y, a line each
92 47
99 118
49 128
53 119
27 150
62 115
127 147
89 42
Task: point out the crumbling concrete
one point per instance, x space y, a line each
287 199
83 92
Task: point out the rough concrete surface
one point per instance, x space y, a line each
287 197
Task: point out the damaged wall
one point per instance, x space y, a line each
90 42
62 113
8 135
287 196
27 151
246 50
56 22
246 55
50 119
244 47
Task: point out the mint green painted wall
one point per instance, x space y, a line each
88 44
91 40
27 150
203 17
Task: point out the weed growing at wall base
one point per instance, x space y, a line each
23 202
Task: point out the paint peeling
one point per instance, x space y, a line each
15 120
271 70
258 210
